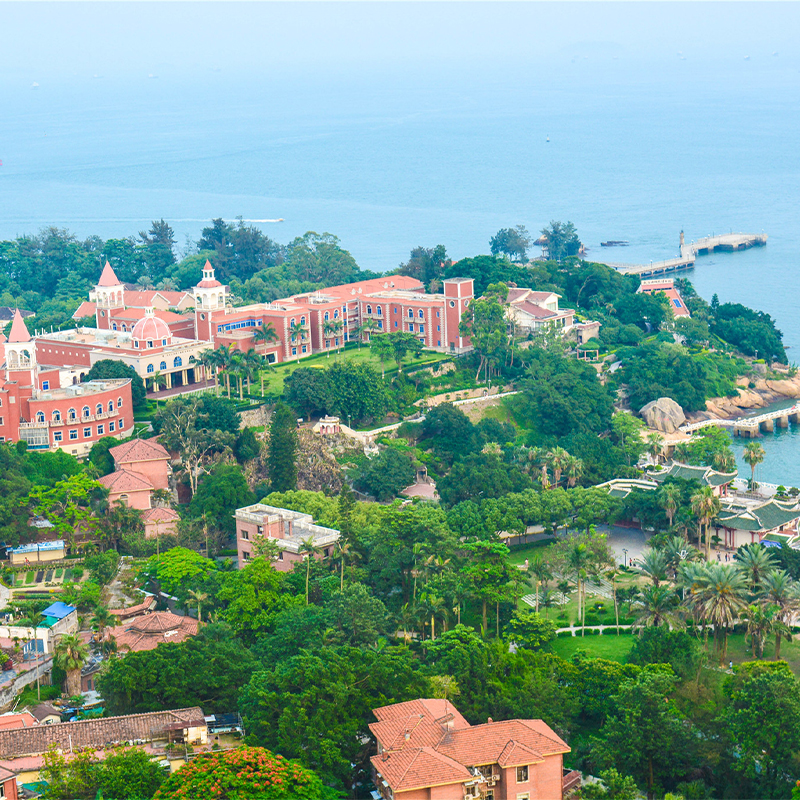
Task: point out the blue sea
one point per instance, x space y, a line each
626 148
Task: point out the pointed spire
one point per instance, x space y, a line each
108 277
19 333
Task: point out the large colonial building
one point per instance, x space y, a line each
43 403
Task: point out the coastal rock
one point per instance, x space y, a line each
664 415
785 388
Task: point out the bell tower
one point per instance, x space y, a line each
110 295
20 351
210 298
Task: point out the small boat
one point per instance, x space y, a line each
34 85
614 243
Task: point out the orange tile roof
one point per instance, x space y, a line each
85 309
149 631
124 481
139 450
139 313
18 333
133 611
160 514
12 721
416 768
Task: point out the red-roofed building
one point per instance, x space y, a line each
666 286
10 722
148 631
428 751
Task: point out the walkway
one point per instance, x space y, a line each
199 386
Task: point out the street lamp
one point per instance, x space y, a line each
625 558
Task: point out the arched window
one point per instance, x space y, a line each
114 326
40 416
336 314
292 322
56 416
162 365
72 415
123 500
99 408
110 405
124 327
380 311
85 411
150 368
369 309
421 314
410 313
327 316
119 402
164 342
302 320
149 342
178 362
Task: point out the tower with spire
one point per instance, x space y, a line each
110 295
20 353
210 296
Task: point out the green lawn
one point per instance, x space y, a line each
610 647
274 378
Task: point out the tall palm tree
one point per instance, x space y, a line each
655 444
329 330
705 506
102 619
753 455
756 562
723 461
70 654
578 560
656 605
434 607
676 551
225 359
297 332
209 360
196 596
779 589
158 381
653 564
558 459
574 471
264 335
720 598
407 618
308 550
367 327
253 362
540 570
381 346
761 622
669 495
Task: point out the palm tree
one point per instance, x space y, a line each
70 654
547 601
382 347
102 619
209 360
669 496
158 381
676 551
225 358
407 617
252 363
367 327
540 570
753 455
720 598
168 285
558 459
578 560
265 335
723 461
308 550
656 605
200 598
761 622
779 589
435 607
681 452
705 506
756 562
611 575
655 444
345 552
297 331
654 566
574 471
332 328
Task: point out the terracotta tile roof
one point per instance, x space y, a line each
91 732
421 721
43 710
125 481
432 707
138 299
133 611
12 721
536 311
416 768
85 309
149 631
138 450
139 313
159 514
108 277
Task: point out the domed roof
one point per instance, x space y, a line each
151 327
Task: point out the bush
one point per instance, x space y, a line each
29 577
563 634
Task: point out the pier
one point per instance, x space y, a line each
752 426
726 242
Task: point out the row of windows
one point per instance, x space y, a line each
176 362
149 343
72 414
58 436
245 323
304 349
335 314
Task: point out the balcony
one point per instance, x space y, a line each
570 781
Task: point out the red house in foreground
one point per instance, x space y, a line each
428 751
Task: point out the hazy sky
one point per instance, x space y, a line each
42 39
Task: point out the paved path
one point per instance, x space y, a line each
576 629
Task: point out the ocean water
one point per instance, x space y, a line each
626 150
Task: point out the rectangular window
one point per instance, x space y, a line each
294 351
100 430
87 432
395 323
438 327
73 434
305 349
421 328
380 324
45 385
245 535
119 425
280 556
245 555
522 774
110 427
411 326
58 436
525 796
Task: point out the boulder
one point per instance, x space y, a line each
664 415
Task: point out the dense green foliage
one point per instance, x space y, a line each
111 368
282 450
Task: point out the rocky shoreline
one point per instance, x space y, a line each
764 393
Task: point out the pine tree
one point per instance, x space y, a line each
283 449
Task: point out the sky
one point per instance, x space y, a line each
272 40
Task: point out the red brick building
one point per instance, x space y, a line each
428 751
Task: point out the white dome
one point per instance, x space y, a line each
153 329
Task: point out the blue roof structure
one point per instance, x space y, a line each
58 610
